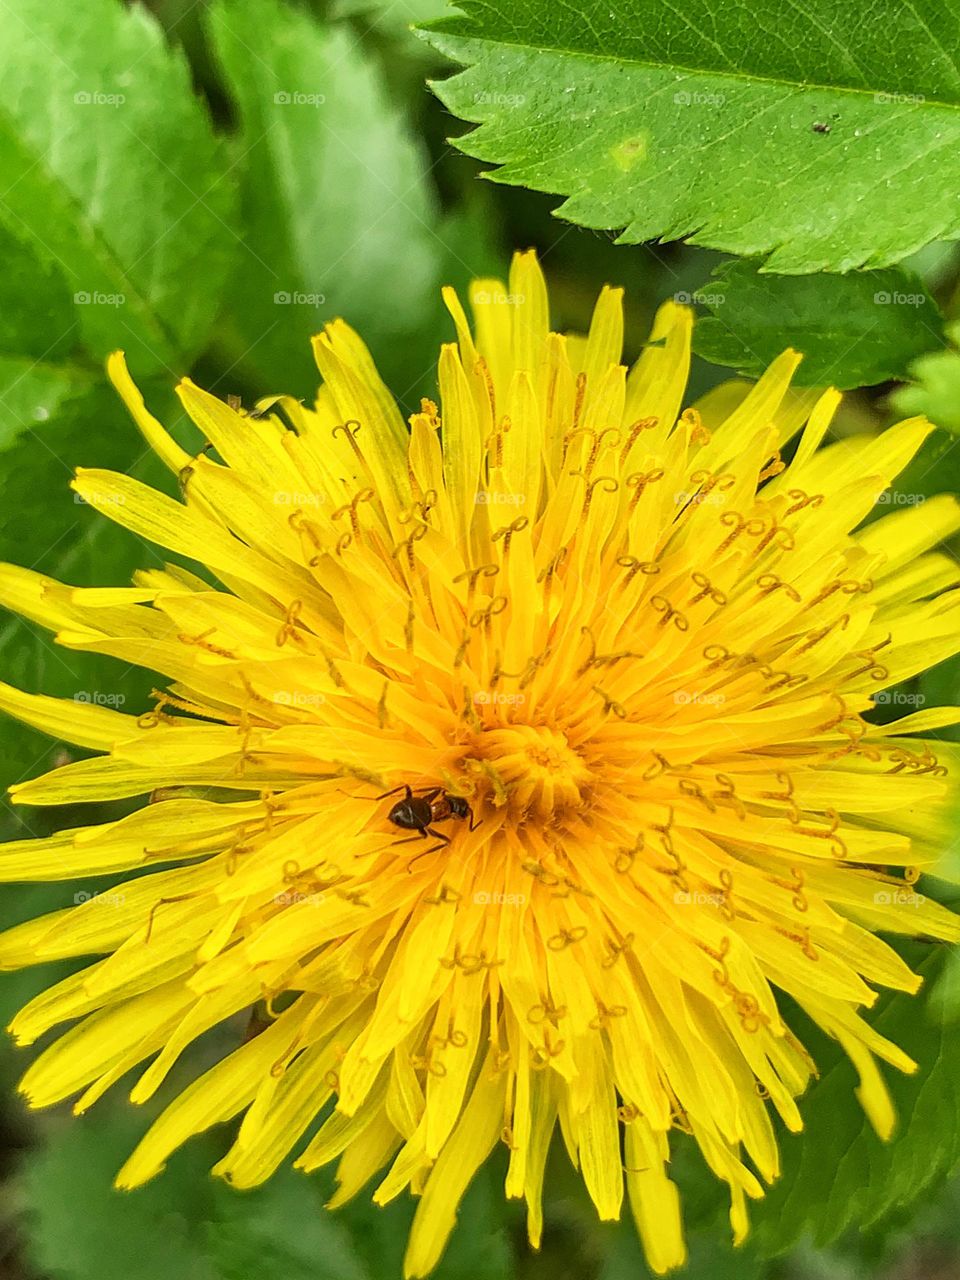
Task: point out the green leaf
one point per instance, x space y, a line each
478 1247
185 1223
940 687
340 217
188 1224
837 1173
112 174
32 391
250 1230
935 386
935 469
936 263
42 527
814 133
391 16
945 995
854 330
79 1228
711 1256
39 368
36 307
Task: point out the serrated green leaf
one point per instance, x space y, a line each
934 388
837 1174
112 173
853 331
340 216
809 133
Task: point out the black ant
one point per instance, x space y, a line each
418 812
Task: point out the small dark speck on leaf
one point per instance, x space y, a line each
820 127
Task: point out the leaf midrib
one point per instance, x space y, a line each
446 27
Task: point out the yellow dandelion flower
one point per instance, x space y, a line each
518 760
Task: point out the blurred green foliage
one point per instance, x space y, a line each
205 185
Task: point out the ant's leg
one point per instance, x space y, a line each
396 790
427 793
180 897
421 835
443 841
474 821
